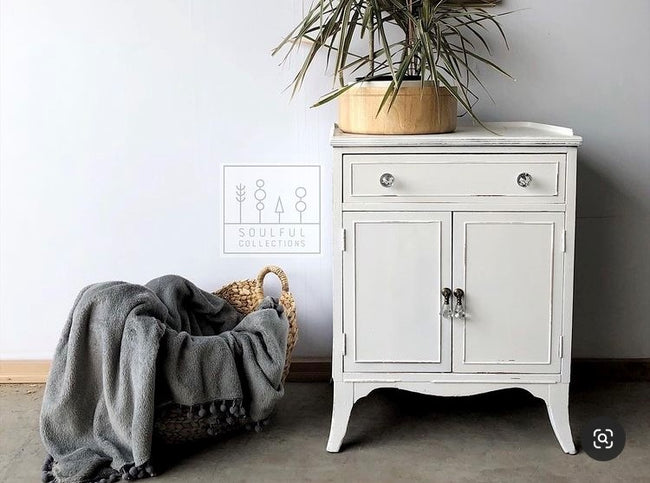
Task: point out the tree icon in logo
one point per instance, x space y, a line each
240 196
260 196
279 209
301 206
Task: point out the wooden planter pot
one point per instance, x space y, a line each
417 109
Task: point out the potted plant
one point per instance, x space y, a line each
409 83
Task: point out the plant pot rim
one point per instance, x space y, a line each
408 88
407 83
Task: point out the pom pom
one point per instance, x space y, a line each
223 407
213 408
202 412
133 471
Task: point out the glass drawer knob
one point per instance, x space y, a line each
386 180
524 179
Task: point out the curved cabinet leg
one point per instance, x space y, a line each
343 402
557 403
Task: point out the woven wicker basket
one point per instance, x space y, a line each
181 424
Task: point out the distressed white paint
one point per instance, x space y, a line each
516 133
510 266
395 264
116 114
514 264
454 177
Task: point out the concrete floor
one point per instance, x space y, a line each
393 436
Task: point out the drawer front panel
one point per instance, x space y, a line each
453 177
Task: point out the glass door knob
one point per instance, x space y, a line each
459 310
386 180
446 311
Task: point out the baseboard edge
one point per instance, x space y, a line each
24 371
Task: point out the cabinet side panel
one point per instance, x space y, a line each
569 260
337 267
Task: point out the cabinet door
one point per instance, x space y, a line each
510 267
394 266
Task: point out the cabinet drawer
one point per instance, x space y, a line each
453 177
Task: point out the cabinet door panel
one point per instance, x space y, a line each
510 267
394 267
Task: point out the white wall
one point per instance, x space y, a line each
115 116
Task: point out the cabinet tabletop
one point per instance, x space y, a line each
507 134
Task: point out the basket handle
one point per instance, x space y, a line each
271 269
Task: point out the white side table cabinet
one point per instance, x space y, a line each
453 265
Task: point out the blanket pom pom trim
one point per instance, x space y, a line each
179 423
132 472
109 475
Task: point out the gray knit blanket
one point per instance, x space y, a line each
128 350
